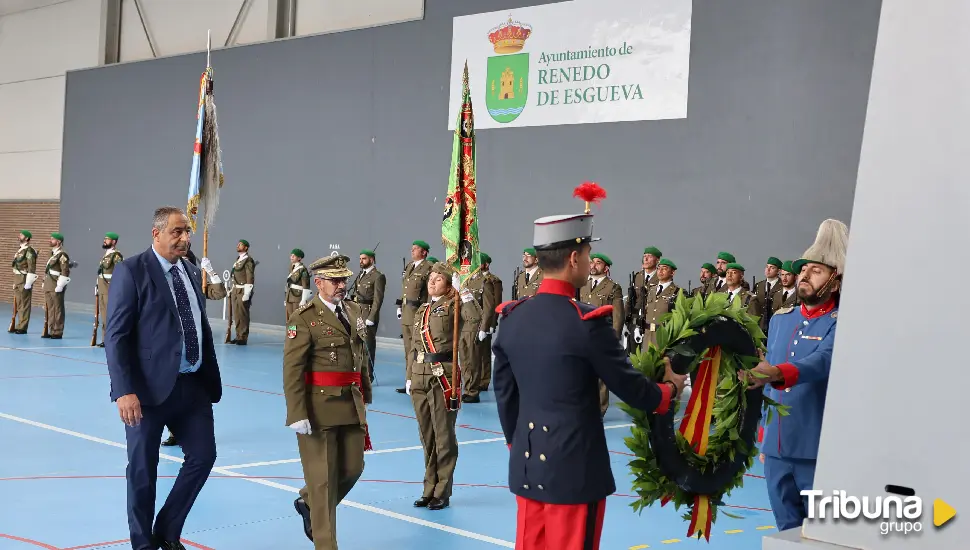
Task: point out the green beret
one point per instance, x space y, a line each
366 252
432 259
244 242
486 259
774 261
529 251
422 244
599 256
653 250
58 236
797 265
787 267
726 256
710 267
298 253
668 263
112 236
27 234
733 265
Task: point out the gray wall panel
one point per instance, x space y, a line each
342 139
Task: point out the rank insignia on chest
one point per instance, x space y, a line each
360 324
333 356
291 331
439 309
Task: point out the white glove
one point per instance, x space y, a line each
637 336
61 283
307 294
398 313
467 296
455 280
407 387
247 292
29 283
481 335
206 266
301 427
369 323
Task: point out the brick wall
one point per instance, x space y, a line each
41 219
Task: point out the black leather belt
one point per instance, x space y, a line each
440 357
365 302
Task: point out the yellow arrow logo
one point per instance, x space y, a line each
942 512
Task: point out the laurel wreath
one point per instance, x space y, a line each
666 467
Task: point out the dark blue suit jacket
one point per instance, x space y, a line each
143 340
550 354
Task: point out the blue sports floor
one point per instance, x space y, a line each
62 465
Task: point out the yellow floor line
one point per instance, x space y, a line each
766 527
669 541
734 532
640 547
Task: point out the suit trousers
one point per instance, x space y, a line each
436 426
469 358
333 461
786 479
188 412
543 526
23 298
485 363
55 312
240 313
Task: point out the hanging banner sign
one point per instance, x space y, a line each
579 62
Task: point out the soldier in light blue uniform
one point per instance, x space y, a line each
797 368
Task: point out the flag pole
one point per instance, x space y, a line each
205 226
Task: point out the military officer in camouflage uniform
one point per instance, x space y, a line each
24 275
298 291
531 276
58 275
327 388
787 295
708 272
600 291
369 295
491 297
106 268
429 380
769 287
660 301
243 278
414 292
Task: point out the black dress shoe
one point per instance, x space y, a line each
170 442
401 390
303 509
45 336
21 331
170 545
101 345
423 502
471 399
240 342
438 504
58 338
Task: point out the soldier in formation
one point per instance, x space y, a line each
660 299
787 295
531 276
764 292
708 272
600 291
327 388
106 269
243 276
369 295
24 275
429 380
298 291
414 292
487 289
57 277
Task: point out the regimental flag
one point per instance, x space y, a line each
206 178
459 226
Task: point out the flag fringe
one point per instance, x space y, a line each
211 163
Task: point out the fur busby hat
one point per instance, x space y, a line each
829 248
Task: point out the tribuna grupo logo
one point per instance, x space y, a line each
895 514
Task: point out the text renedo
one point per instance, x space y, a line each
590 78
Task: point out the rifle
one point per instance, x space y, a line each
515 284
353 285
97 315
13 316
400 301
46 320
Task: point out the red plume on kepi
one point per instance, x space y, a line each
588 192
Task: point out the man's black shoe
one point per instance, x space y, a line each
303 509
423 502
471 399
438 504
170 545
401 390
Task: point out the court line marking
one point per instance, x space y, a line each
280 486
383 451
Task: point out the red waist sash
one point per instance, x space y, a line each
332 378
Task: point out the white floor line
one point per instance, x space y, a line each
267 483
47 348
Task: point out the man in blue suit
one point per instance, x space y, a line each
164 371
797 367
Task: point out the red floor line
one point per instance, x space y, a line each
28 541
95 545
49 376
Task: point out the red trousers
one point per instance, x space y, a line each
541 526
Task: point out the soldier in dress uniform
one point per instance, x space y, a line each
797 368
733 277
243 278
414 292
473 337
58 275
24 275
369 295
106 268
600 291
430 376
719 283
298 291
549 354
327 389
531 276
787 295
708 272
769 287
660 301
644 279
491 297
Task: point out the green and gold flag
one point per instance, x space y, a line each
459 226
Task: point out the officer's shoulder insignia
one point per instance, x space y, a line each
505 308
600 312
305 306
784 310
